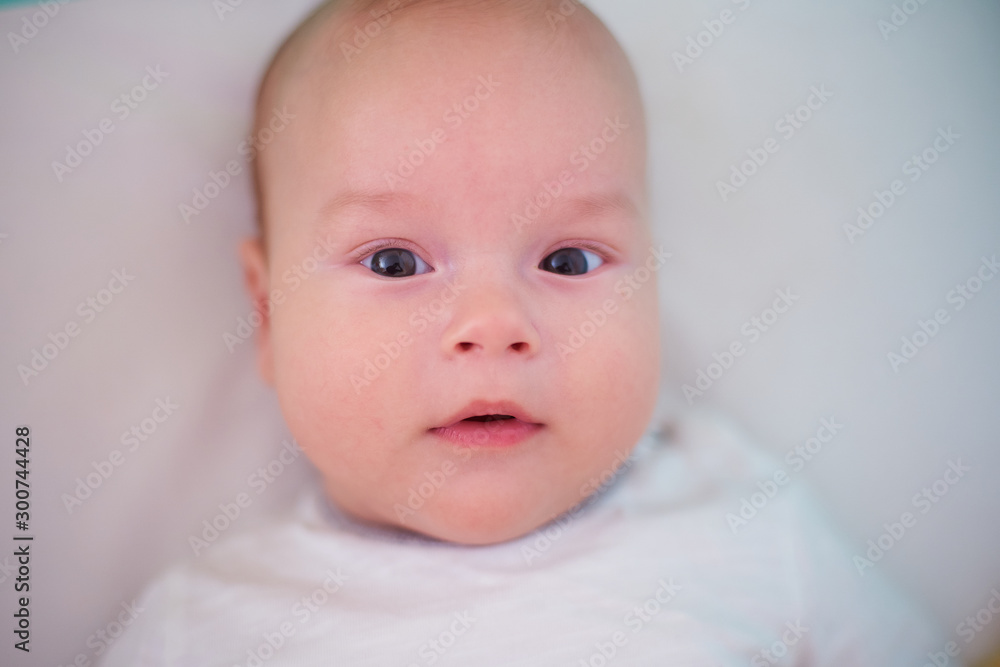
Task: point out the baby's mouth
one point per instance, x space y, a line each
488 431
489 424
489 411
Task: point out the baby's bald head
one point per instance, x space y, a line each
336 46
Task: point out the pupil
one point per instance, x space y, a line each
568 261
394 262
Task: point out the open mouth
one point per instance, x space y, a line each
489 424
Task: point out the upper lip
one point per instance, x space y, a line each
481 408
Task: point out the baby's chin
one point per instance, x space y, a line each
473 529
480 520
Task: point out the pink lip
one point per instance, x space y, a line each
498 433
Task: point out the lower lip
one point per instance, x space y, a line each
500 433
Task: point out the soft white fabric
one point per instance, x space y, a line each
326 590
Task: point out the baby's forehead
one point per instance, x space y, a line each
345 36
508 99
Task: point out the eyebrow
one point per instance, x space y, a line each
578 207
373 199
595 205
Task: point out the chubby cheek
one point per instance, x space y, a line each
608 374
343 415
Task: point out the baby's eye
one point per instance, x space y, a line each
395 263
571 262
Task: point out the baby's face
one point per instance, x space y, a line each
457 229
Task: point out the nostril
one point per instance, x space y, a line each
465 347
518 347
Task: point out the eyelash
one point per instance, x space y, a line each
599 250
371 249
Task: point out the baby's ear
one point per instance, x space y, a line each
253 257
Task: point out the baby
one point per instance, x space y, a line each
471 367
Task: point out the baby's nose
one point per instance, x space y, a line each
491 322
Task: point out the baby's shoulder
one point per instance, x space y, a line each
701 462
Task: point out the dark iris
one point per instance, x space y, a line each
394 263
566 262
